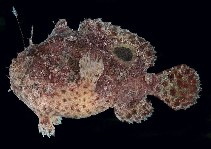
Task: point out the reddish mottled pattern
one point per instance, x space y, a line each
77 74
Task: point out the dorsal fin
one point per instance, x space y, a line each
30 39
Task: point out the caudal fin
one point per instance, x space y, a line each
178 87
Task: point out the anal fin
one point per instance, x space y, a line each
134 111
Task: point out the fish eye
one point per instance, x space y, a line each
123 53
31 51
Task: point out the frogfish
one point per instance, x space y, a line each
79 73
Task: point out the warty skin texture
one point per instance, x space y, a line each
76 74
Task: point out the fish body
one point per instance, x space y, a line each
80 73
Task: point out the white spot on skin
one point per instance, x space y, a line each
148 78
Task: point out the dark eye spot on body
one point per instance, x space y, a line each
123 53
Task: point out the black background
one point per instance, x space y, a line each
180 32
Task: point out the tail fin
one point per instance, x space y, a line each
178 87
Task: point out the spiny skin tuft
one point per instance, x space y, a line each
76 74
